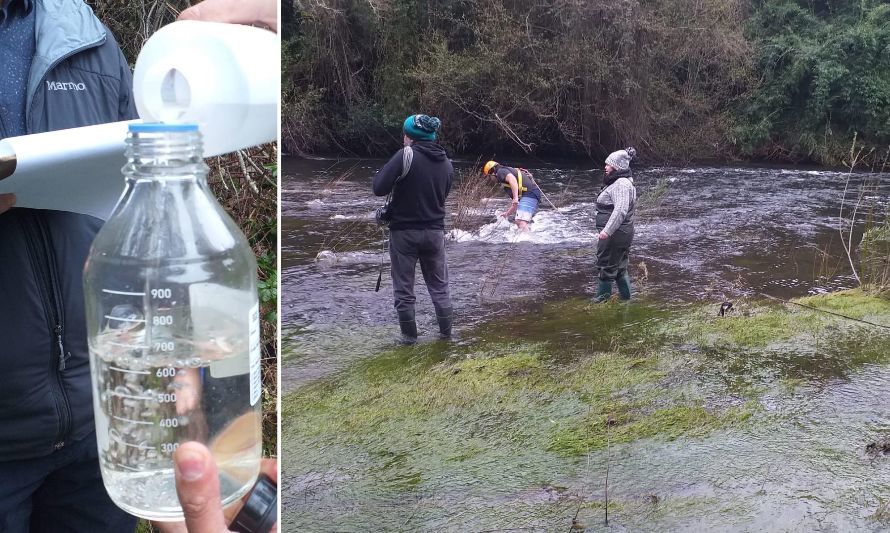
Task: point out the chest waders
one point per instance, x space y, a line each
611 254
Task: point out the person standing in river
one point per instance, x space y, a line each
614 223
520 186
419 178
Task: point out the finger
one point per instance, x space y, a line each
197 484
234 12
270 468
7 200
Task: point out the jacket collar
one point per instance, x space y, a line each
61 28
609 179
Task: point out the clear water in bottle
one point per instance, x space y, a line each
173 328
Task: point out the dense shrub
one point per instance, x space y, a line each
570 77
825 70
682 79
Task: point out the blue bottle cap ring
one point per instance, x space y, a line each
260 511
158 127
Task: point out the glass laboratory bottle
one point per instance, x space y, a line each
173 328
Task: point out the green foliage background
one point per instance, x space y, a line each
825 75
684 80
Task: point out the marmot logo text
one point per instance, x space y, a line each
65 86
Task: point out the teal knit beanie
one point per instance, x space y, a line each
421 127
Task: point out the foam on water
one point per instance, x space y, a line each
549 227
329 258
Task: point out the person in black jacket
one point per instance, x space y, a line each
418 221
59 68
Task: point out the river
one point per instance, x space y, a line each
712 234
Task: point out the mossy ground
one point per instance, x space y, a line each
766 342
418 435
758 324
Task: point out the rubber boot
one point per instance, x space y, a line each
623 283
408 327
445 318
604 291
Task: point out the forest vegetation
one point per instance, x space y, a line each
683 80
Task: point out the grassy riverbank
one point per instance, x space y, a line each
526 406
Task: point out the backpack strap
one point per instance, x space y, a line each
407 159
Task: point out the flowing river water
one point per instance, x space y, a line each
712 234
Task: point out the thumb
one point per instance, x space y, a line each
197 484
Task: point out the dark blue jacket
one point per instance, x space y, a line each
78 77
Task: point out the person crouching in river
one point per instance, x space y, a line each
614 222
520 186
419 185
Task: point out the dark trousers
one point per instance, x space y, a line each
408 246
611 254
62 492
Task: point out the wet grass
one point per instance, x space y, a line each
773 342
757 324
620 424
754 325
853 303
577 326
444 418
444 435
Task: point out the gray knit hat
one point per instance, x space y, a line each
621 159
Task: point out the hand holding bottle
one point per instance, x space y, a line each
197 485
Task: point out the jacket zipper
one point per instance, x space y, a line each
39 244
39 241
